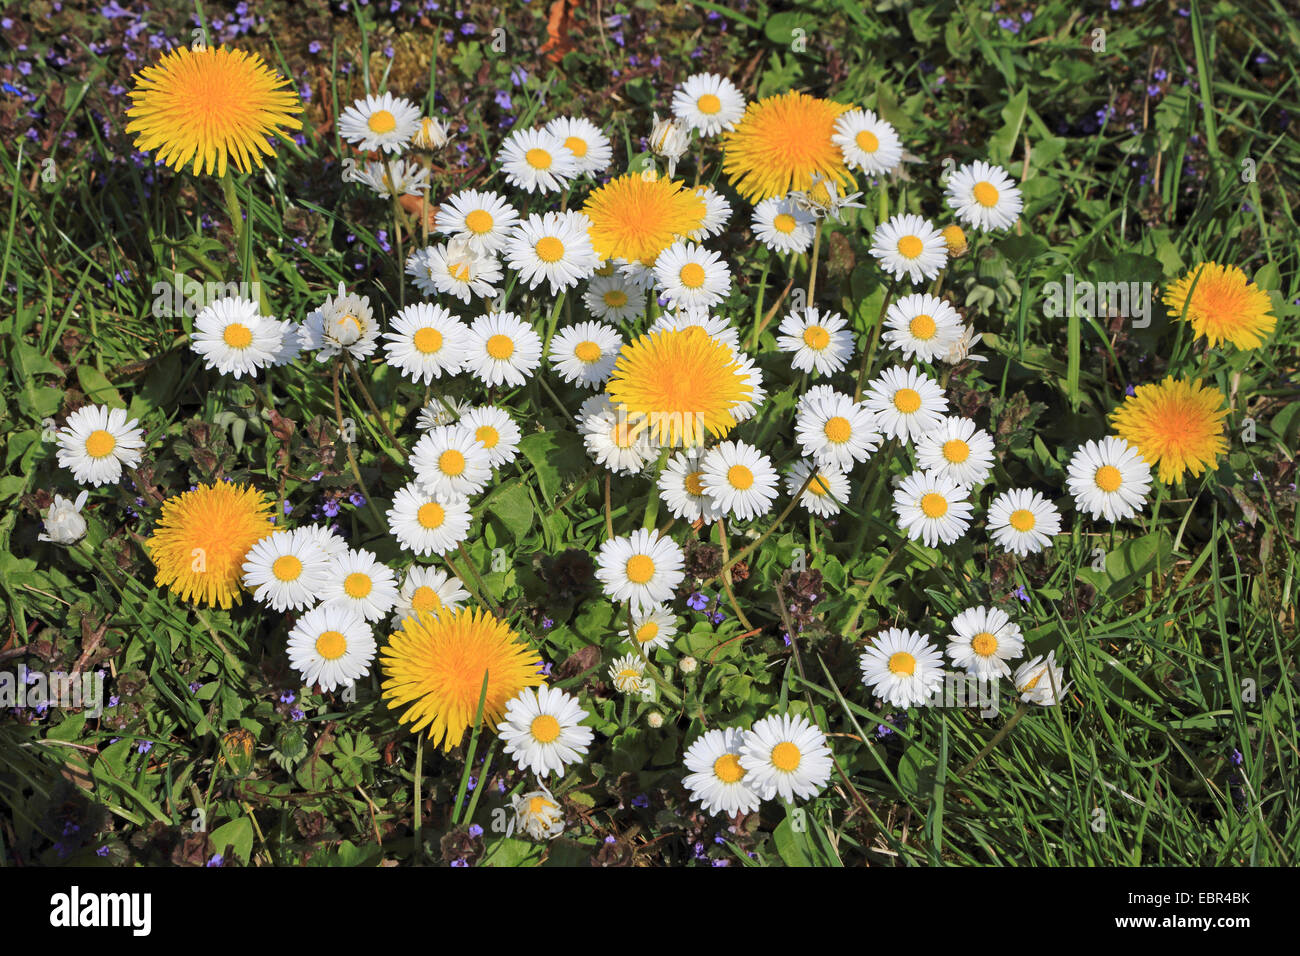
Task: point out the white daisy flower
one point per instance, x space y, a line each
427 591
828 489
441 411
1023 521
922 325
384 122
454 268
690 275
450 461
344 322
984 196
636 275
425 523
833 429
909 245
358 581
708 103
906 403
614 299
590 147
235 338
537 161
612 441
681 486
669 140
821 343
482 219
542 729
752 377
63 522
956 449
716 780
426 341
932 508
496 431
585 353
503 349
332 646
787 754
431 134
740 479
902 667
983 640
867 142
715 326
628 674
555 247
643 568
1041 680
783 225
538 814
96 441
286 570
327 539
824 199
651 629
1109 479
717 213
388 177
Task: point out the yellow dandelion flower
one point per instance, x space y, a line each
781 143
636 217
208 105
679 385
202 538
435 664
1176 424
1224 305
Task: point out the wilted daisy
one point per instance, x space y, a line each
833 429
584 354
63 522
922 325
502 349
385 122
783 225
538 814
590 147
286 570
1041 680
781 143
449 460
358 580
454 268
1222 304
740 479
681 486
909 245
716 780
826 491
983 639
613 299
235 338
867 142
643 568
932 508
343 323
537 161
691 276
611 440
984 196
960 350
787 754
426 341
717 213
555 247
427 591
902 667
482 219
331 646
431 134
96 441
628 674
542 729
906 403
1023 521
821 343
1109 479
390 177
669 140
496 431
708 103
428 523
651 629
957 449
1176 425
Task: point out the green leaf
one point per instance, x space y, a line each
98 388
555 457
1003 142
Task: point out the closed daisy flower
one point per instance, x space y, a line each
1109 479
427 591
1041 680
496 431
502 349
1023 521
426 341
643 568
788 755
285 570
392 177
716 780
984 196
868 142
740 479
932 508
681 486
483 220
537 161
431 134
585 353
781 143
235 338
1176 425
590 147
783 225
1222 305
902 667
96 441
708 103
717 213
428 523
668 139
613 299
450 461
331 646
833 429
358 580
956 449
651 629
691 276
611 440
542 729
555 248
826 491
922 325
983 639
906 403
343 323
385 122
821 343
908 245
454 268
628 674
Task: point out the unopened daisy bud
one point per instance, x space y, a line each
956 239
687 665
63 521
668 140
654 720
1041 680
432 134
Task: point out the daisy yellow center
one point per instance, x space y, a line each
867 141
451 462
1108 478
286 568
693 483
923 327
816 337
708 104
351 320
427 341
458 271
955 451
357 585
331 645
425 599
740 477
629 674
692 275
382 121
1032 682
909 247
538 158
907 400
819 487
984 644
838 430
615 298
1022 519
549 249
431 515
986 194
727 768
640 568
784 223
577 146
100 443
934 505
622 436
902 663
647 632
537 806
786 756
479 221
544 728
237 335
587 352
488 435
501 347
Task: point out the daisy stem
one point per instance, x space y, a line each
725 574
997 739
812 266
419 779
483 595
397 233
744 553
609 513
758 305
652 502
870 353
347 445
370 403
551 323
